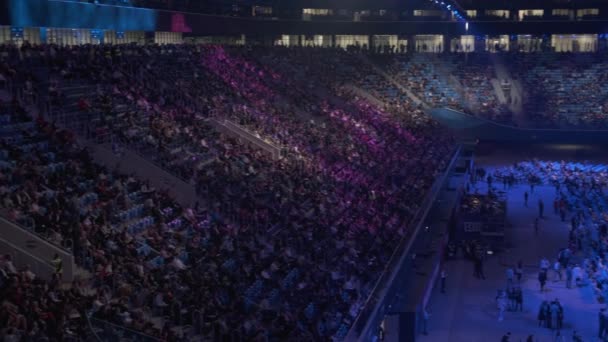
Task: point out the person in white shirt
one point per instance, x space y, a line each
178 264
557 268
8 266
544 264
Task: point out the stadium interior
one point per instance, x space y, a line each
304 170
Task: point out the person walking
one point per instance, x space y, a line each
510 275
558 271
556 206
542 279
519 271
479 268
556 315
444 275
542 314
544 264
519 299
569 276
501 302
425 320
541 208
526 199
602 318
560 315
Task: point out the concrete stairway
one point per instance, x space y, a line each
396 83
515 95
366 95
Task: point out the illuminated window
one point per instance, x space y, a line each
528 13
427 13
317 11
574 42
32 35
5 34
587 12
498 13
428 43
316 40
261 10
463 44
344 41
471 13
168 38
497 43
287 40
560 12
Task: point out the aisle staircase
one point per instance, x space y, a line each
365 94
514 98
396 83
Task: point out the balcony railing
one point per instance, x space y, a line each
375 308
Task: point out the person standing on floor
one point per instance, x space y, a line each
425 320
510 275
602 318
519 271
556 315
526 198
542 314
479 268
556 206
569 276
544 264
519 299
541 208
558 270
444 275
542 280
501 302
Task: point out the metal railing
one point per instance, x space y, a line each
32 248
244 134
373 310
528 129
105 331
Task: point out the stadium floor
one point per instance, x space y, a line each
467 312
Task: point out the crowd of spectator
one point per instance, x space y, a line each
581 199
554 84
464 82
283 249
